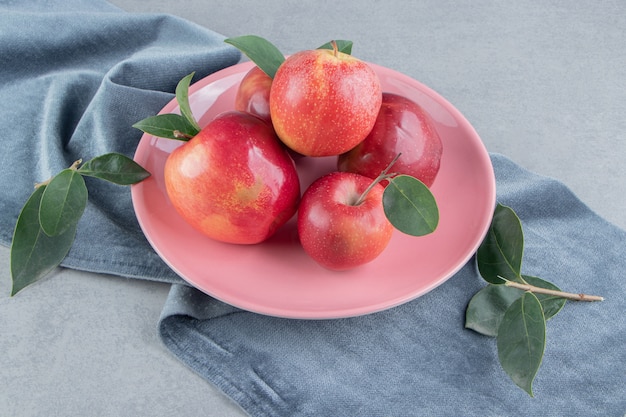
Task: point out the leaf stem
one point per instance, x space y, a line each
73 167
180 135
562 294
42 183
382 176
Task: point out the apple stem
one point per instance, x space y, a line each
382 176
335 48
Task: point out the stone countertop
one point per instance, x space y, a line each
541 83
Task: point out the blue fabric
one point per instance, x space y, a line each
417 359
84 72
75 75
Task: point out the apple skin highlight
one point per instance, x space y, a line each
402 127
253 94
234 181
335 232
324 102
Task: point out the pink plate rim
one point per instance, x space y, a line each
477 178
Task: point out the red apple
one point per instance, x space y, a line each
324 102
402 127
253 94
233 181
337 230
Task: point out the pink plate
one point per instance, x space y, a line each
276 277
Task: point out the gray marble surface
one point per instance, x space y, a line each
543 83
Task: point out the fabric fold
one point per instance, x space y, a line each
417 358
84 71
73 85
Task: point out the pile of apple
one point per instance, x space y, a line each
235 180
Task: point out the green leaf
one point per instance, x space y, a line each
410 206
486 309
33 253
166 126
182 97
260 51
521 340
500 253
342 46
63 202
550 304
116 168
